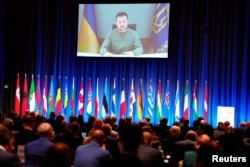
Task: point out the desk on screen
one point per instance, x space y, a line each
153 55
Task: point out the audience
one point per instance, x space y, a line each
58 154
7 158
92 154
35 150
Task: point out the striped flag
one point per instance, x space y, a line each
139 102
32 96
38 93
167 98
159 102
25 96
89 103
185 111
51 95
150 100
58 97
132 99
104 100
45 97
72 100
87 37
177 102
194 104
122 102
96 101
159 34
81 99
205 101
66 96
113 107
17 96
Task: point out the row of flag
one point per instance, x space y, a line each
88 40
65 103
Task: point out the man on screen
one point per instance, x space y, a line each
122 40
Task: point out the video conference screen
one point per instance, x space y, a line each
123 30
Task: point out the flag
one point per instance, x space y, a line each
72 100
32 96
139 102
159 33
38 93
89 103
205 101
194 103
81 99
122 102
51 96
58 97
104 100
17 96
113 110
45 96
167 98
159 101
25 96
66 98
87 37
185 111
150 100
96 101
177 102
132 99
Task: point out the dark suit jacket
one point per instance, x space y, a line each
35 151
150 157
9 159
90 155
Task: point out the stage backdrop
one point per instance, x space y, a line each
208 64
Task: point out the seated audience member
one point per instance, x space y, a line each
190 156
180 147
97 125
162 130
130 139
220 130
25 136
110 143
59 154
9 123
247 130
92 154
205 152
70 137
168 144
149 156
35 150
114 125
7 158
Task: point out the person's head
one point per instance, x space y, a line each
45 130
98 137
191 135
6 138
122 21
202 139
28 121
59 154
175 131
106 128
73 128
147 138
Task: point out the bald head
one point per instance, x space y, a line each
44 130
202 139
147 138
98 136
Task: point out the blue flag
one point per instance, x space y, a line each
159 34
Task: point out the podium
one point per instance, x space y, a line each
225 113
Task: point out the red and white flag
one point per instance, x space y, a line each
132 99
81 99
122 103
17 96
89 104
45 101
205 101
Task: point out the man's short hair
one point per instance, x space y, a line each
120 14
5 135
